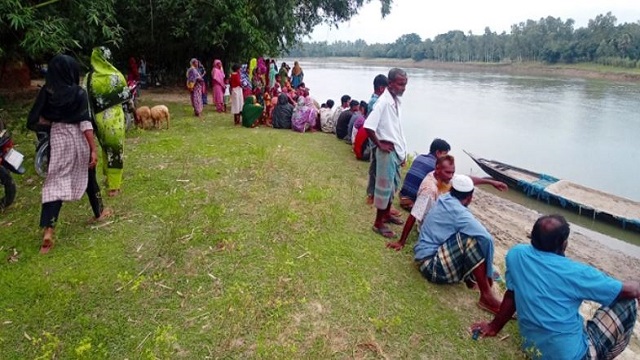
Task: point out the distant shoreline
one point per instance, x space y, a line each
580 70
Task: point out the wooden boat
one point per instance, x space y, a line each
583 200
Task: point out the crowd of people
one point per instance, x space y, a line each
543 286
259 93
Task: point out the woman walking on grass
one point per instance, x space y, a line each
107 91
63 104
195 85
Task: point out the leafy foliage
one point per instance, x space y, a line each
166 32
232 30
549 39
35 30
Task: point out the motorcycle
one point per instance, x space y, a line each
10 161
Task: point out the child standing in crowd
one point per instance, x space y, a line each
235 83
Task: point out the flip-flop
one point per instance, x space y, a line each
394 220
493 311
385 232
496 277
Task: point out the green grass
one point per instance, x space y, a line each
226 243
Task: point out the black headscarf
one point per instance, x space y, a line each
281 116
61 99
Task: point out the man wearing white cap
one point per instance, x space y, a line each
453 246
435 184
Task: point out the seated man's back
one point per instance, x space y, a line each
420 167
549 289
326 120
342 125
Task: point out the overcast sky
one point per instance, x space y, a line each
429 18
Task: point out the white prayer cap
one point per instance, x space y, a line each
462 183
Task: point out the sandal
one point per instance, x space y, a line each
385 232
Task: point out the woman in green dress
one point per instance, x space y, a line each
251 112
108 90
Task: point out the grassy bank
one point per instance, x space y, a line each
579 70
226 243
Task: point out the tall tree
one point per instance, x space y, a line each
34 29
166 31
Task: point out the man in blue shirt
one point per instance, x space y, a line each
420 167
453 246
547 289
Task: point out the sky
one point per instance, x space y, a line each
430 18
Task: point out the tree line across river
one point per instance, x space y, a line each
549 39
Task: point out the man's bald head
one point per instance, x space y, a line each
550 233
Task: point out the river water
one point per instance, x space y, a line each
586 131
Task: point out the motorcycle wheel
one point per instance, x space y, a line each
42 157
8 186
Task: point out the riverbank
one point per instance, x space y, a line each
234 242
581 70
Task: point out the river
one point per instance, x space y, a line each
586 131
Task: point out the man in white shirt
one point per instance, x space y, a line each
326 117
385 131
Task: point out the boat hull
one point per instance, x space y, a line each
500 171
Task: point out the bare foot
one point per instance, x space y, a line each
114 192
47 241
369 199
395 212
106 213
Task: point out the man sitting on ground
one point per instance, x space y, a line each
435 184
356 122
342 126
420 167
326 117
344 105
548 288
453 246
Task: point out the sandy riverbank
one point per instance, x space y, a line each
510 223
533 69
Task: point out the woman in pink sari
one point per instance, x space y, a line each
217 75
304 115
262 70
